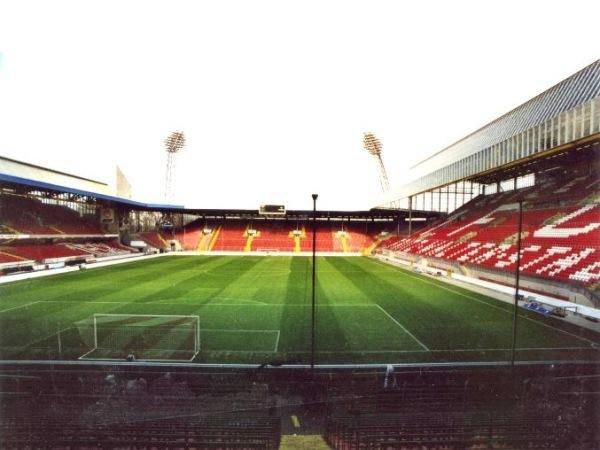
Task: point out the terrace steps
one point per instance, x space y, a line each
344 241
57 230
13 256
248 244
297 247
367 251
204 242
215 236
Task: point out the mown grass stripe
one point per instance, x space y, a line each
274 294
470 297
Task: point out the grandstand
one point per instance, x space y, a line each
412 332
558 238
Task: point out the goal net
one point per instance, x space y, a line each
141 336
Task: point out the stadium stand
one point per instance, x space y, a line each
560 238
225 433
325 238
25 254
27 215
449 430
425 409
100 249
230 237
126 412
452 413
359 239
273 236
7 259
190 236
278 236
270 235
46 253
154 240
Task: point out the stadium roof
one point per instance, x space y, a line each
22 169
19 173
579 89
575 90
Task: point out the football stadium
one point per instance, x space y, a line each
460 312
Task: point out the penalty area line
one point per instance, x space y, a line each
458 350
277 341
407 273
403 327
229 330
183 303
20 306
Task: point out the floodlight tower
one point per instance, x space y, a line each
173 144
373 145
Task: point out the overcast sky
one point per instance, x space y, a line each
273 96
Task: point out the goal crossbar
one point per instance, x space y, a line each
146 333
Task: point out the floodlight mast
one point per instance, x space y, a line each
373 145
173 144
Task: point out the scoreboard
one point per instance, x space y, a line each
272 210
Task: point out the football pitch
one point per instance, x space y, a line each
252 309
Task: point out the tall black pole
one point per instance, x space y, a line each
314 276
517 277
409 215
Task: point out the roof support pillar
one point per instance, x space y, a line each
455 195
409 215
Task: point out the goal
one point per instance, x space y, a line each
147 337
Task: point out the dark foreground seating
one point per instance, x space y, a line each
437 431
182 433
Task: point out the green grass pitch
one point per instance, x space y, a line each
257 309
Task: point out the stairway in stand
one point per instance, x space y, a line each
205 241
249 238
297 239
213 240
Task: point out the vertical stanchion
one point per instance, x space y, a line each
59 344
314 274
517 277
409 216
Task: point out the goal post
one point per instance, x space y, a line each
145 336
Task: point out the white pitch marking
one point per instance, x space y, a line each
182 303
20 306
277 341
223 330
501 309
87 353
29 344
240 299
138 360
460 350
403 327
125 315
226 330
